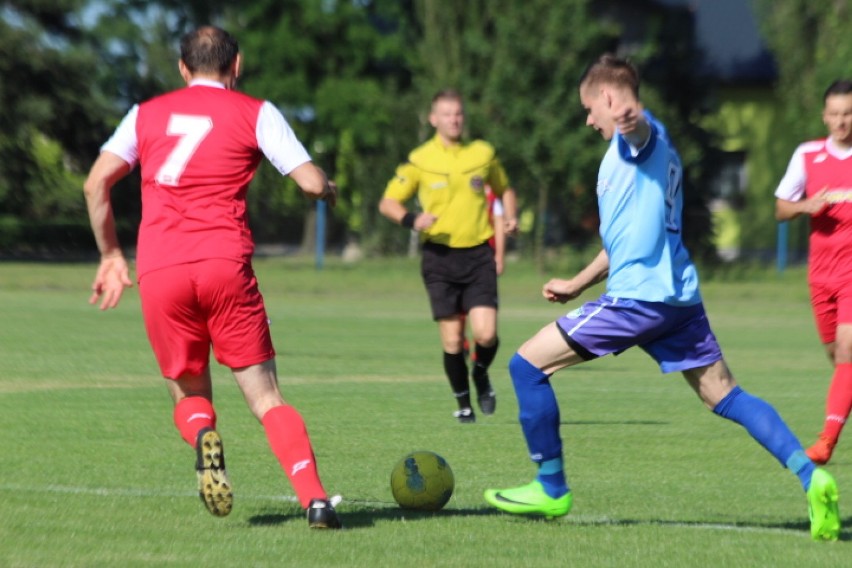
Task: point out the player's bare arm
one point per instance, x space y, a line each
113 274
314 183
785 210
499 243
559 290
510 211
396 212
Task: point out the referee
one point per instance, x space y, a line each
448 175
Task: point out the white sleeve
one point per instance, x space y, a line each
497 207
792 186
123 142
277 140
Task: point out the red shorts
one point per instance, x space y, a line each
832 305
188 307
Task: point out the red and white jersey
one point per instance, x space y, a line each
816 166
199 148
495 209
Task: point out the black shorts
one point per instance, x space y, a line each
458 279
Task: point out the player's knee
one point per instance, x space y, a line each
840 353
486 342
522 371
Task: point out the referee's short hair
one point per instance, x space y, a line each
447 95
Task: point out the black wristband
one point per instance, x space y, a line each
408 219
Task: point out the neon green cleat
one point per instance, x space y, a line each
529 499
822 506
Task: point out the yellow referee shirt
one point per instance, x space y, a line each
450 183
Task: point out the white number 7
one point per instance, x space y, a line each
192 130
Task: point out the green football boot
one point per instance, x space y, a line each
822 506
529 499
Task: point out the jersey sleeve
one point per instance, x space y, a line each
792 185
497 178
123 142
404 184
277 140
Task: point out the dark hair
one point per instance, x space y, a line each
208 49
613 70
839 87
447 95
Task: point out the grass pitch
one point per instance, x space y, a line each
93 472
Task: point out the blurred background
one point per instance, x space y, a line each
739 84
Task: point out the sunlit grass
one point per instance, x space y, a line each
94 473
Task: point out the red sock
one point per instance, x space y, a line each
290 443
191 415
839 401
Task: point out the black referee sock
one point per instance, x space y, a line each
484 358
456 368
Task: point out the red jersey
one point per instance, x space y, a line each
830 257
198 152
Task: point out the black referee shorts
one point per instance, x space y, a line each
458 279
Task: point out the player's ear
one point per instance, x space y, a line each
432 120
607 94
184 71
238 62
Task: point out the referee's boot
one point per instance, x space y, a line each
485 396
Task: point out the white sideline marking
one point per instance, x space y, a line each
579 520
128 492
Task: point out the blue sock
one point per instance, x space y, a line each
539 416
764 424
551 475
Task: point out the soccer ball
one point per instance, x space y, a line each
422 480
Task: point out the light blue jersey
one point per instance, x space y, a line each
640 203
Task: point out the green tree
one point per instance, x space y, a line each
336 70
51 112
518 64
810 42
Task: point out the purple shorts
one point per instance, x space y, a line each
679 338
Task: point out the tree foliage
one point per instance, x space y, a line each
811 47
51 114
810 41
354 78
336 70
519 64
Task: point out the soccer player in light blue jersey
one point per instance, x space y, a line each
652 300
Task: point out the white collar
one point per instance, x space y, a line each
206 83
834 150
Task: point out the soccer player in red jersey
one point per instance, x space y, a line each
198 148
818 183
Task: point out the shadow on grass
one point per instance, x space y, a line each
367 517
802 527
